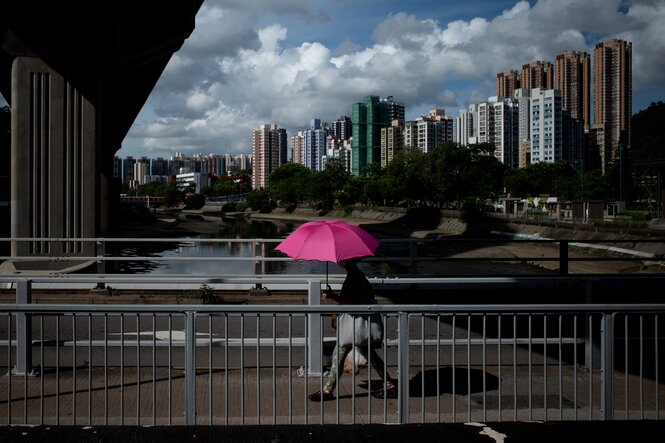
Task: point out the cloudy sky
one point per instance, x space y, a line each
252 62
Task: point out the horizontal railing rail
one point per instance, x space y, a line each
420 251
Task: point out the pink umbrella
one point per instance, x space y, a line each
328 241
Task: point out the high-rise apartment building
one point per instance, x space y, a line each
523 97
392 141
461 127
367 120
546 126
128 170
573 79
341 128
538 74
613 96
507 82
505 137
159 166
314 145
433 130
298 148
268 142
396 110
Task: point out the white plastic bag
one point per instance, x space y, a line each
354 361
359 329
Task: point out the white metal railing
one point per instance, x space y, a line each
251 364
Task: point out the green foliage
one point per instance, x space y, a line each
195 201
261 200
289 183
471 211
648 133
207 295
229 207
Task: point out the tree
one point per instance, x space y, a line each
289 184
327 184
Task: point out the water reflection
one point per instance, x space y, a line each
229 228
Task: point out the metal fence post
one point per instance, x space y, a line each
403 367
607 369
315 338
23 329
413 257
190 368
563 257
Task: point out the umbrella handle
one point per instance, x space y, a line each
328 287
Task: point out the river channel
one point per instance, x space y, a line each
172 257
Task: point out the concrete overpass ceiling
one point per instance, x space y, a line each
113 52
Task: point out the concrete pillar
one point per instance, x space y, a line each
55 167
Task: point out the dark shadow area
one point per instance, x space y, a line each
459 381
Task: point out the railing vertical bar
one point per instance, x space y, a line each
274 369
545 366
626 372
656 365
335 357
353 379
530 366
290 366
242 369
499 364
106 369
190 368
590 368
9 370
210 365
403 367
169 381
23 329
122 369
560 367
306 367
258 370
468 367
138 369
384 349
642 367
42 367
90 366
454 366
438 367
338 375
57 370
422 367
368 370
154 369
74 368
227 367
514 367
484 366
575 348
607 370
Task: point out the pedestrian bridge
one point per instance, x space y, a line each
95 349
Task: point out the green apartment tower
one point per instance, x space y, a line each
367 120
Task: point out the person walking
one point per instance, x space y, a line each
363 331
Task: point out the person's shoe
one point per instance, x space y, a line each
321 396
390 392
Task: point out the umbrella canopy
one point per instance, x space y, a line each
329 241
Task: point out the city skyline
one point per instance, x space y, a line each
253 63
